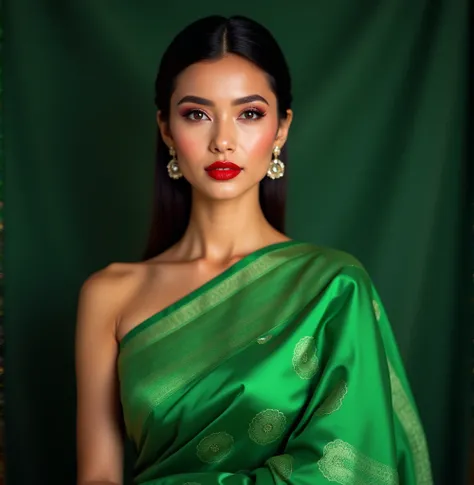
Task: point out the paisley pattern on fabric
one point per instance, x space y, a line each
305 359
267 426
219 407
215 447
334 401
281 465
343 464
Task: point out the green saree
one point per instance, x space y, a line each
281 369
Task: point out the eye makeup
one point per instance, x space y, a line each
195 114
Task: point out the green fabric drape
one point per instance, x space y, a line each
377 169
307 348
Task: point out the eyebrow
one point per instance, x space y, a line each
207 102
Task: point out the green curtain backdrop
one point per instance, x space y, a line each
378 168
2 165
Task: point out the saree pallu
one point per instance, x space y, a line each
283 368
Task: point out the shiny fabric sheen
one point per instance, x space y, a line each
282 369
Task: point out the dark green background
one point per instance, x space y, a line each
377 168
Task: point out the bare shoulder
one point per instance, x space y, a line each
106 291
110 281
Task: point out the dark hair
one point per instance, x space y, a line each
211 38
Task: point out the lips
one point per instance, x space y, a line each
223 165
223 170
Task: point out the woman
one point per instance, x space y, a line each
232 354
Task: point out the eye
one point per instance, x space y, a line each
195 115
252 114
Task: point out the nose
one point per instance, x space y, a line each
223 137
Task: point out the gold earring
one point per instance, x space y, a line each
173 168
276 169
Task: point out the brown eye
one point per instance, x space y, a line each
196 115
251 115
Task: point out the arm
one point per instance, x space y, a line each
99 434
349 432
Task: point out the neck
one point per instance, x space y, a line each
222 230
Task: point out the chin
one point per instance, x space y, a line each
209 189
226 193
222 191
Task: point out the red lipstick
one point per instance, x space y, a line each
223 170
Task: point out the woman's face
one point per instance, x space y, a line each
224 110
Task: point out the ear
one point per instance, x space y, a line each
283 129
164 128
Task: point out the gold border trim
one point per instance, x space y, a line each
214 296
413 430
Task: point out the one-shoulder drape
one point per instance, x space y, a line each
283 368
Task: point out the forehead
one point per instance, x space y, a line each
226 78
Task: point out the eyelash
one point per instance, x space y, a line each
259 114
256 111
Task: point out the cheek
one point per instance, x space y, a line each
188 143
260 145
188 147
